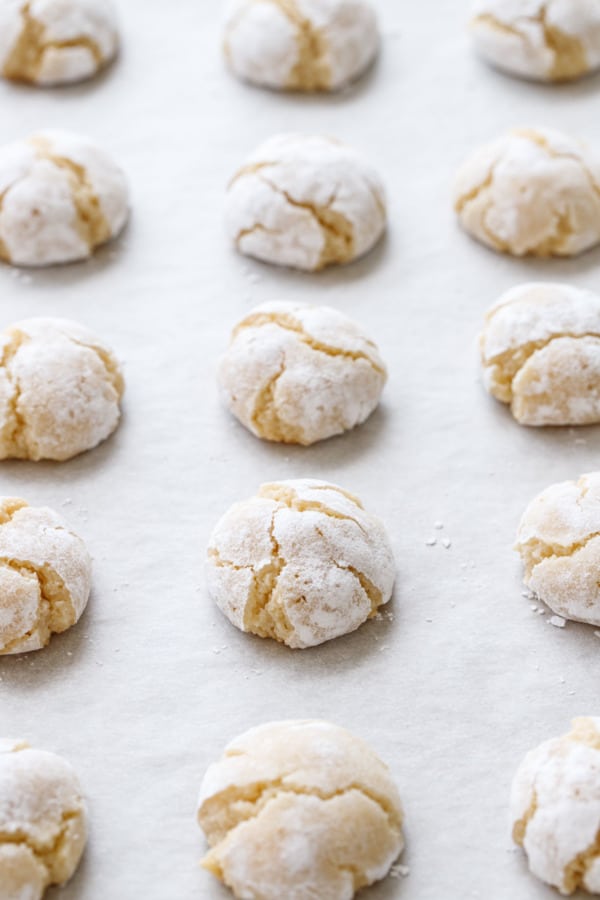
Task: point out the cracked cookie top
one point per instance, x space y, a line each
544 40
307 202
300 374
45 576
42 821
61 197
540 352
300 809
533 192
555 808
301 562
301 45
51 42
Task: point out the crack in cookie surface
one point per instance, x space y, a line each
311 71
55 613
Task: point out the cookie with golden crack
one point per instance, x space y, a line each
306 202
533 192
540 352
555 808
300 374
301 45
52 42
298 810
45 576
559 542
43 821
543 40
61 197
300 562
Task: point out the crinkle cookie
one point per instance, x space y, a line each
559 543
61 196
43 827
545 40
300 374
45 576
50 42
555 808
60 389
301 562
540 352
300 810
306 202
301 45
532 192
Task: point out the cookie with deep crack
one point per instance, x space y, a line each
555 808
298 810
301 562
540 353
52 42
43 821
543 40
307 202
301 45
61 197
45 576
559 542
299 374
533 192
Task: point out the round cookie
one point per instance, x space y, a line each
531 193
307 202
300 562
60 389
45 576
61 197
300 374
52 42
559 543
540 352
555 808
43 821
301 45
298 810
543 40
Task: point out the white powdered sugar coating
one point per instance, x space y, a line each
300 374
540 352
555 809
305 45
61 196
45 576
559 542
300 809
532 192
306 202
545 40
301 562
43 827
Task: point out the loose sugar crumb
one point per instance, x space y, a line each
557 621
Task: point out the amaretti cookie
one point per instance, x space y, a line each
300 374
51 42
555 809
45 576
61 197
544 40
43 821
301 562
307 202
559 543
533 192
301 45
300 810
540 352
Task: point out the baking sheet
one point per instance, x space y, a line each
465 678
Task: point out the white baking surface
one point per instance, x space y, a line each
144 693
